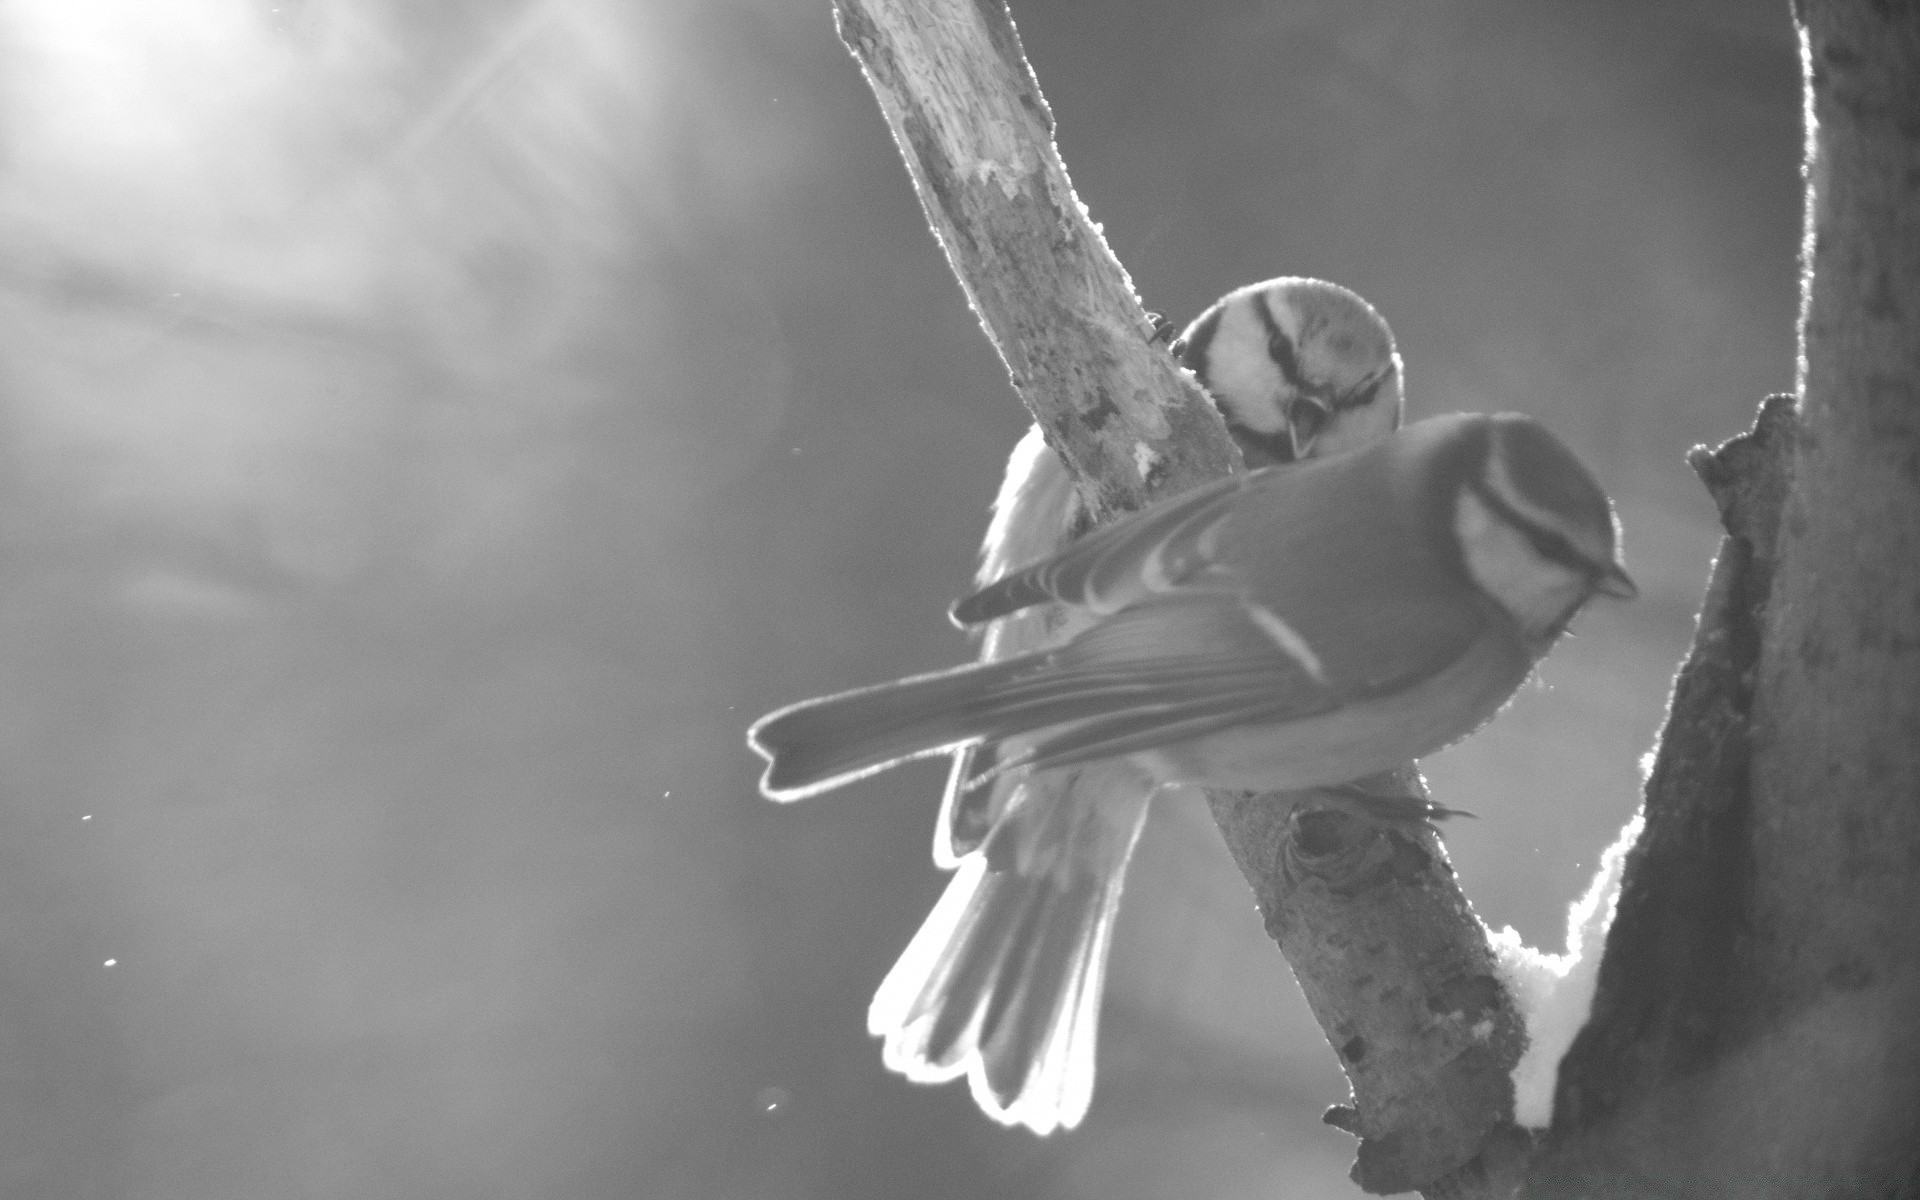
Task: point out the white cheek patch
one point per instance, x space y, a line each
1537 591
1288 639
1240 375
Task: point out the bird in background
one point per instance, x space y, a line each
1297 367
1298 626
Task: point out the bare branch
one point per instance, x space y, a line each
977 137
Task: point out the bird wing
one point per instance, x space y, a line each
1164 670
1171 667
1115 564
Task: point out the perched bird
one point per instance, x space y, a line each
1287 628
1003 983
1294 627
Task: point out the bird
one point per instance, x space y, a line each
1296 367
1285 628
1293 627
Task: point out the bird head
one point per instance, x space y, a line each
1536 531
1298 367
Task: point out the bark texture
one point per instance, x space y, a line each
1399 973
977 137
1757 1027
1372 920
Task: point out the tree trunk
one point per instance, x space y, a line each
1757 1026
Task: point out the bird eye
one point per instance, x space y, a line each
1549 544
1557 547
1280 350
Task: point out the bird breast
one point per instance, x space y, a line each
1360 738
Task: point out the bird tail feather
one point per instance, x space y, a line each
823 743
1003 981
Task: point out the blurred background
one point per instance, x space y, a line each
430 432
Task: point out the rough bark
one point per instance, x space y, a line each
1399 973
1373 922
1756 1030
977 137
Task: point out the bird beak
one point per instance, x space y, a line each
1613 581
1306 418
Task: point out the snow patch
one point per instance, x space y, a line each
1554 992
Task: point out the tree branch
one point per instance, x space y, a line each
977 137
1394 963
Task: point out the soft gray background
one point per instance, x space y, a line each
430 432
